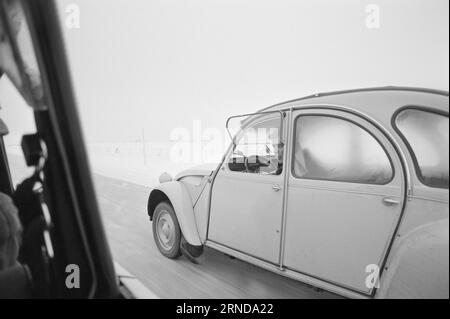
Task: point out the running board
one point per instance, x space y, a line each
311 281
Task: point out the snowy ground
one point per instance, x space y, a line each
136 163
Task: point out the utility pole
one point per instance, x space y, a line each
143 147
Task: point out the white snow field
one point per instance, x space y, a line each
135 162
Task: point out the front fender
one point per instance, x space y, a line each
177 194
418 266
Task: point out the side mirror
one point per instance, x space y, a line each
237 164
248 164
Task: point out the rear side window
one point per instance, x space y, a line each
426 134
335 149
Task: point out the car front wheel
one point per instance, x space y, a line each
166 230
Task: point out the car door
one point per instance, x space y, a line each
246 204
345 198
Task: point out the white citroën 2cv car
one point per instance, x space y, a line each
351 195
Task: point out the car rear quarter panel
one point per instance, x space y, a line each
419 264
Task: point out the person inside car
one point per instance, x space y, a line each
10 232
14 277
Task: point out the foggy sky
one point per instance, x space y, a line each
160 64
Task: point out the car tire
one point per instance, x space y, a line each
166 230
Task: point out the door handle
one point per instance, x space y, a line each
390 201
276 187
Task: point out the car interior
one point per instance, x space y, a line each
50 220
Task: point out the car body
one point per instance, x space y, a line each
350 196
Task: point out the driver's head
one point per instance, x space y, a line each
10 232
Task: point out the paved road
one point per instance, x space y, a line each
123 207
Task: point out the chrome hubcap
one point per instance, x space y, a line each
165 230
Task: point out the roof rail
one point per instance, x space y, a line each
381 88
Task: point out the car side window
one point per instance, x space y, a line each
335 149
427 135
258 148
